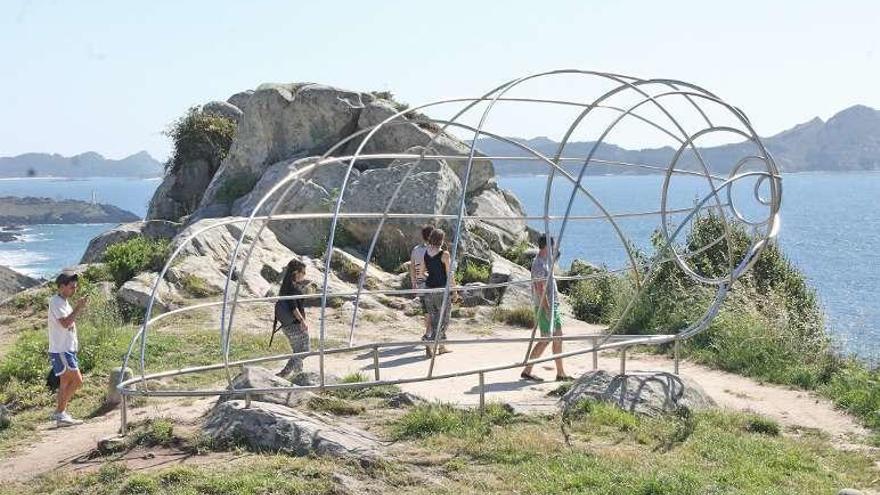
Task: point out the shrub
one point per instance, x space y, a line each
126 259
470 271
523 316
762 425
199 136
518 254
98 272
594 299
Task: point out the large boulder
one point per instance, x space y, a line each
256 377
153 229
275 428
282 121
314 190
223 109
240 99
648 393
12 282
431 188
517 294
500 234
401 135
137 291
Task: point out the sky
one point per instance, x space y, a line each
109 76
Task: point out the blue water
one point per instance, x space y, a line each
830 230
46 249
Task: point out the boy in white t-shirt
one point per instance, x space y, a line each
63 344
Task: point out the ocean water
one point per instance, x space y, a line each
830 230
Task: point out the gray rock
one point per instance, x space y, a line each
240 99
275 428
499 234
282 121
12 282
137 292
515 295
258 377
223 109
648 393
153 229
5 417
403 399
117 375
432 188
313 192
112 444
310 379
401 135
849 491
475 294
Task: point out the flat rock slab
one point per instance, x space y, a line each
275 428
651 393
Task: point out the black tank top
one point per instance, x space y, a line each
436 270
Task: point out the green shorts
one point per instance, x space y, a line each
544 322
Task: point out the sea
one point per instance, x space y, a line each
830 229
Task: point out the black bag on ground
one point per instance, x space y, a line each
52 381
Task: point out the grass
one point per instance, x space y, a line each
425 420
265 474
379 391
770 327
517 254
615 452
522 317
104 336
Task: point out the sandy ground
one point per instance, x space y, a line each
69 448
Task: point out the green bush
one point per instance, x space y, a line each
518 254
469 271
762 425
126 259
199 136
594 299
522 317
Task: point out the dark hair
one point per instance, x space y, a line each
542 241
294 266
437 237
426 231
66 278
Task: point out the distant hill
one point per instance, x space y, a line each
88 164
28 211
848 141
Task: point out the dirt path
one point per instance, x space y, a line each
65 448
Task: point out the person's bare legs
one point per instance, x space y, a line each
71 381
535 354
557 349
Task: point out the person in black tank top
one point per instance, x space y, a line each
437 263
291 314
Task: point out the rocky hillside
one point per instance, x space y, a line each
229 154
848 141
12 282
27 211
89 164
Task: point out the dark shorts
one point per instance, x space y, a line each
63 362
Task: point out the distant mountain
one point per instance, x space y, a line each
89 164
28 211
848 141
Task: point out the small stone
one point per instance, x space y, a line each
849 491
403 399
5 417
109 445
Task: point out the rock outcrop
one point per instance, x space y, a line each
12 282
650 394
273 428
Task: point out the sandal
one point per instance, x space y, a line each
530 377
564 378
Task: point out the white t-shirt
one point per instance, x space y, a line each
61 339
417 258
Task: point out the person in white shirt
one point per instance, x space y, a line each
63 344
418 273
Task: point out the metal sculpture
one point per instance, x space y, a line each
630 99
